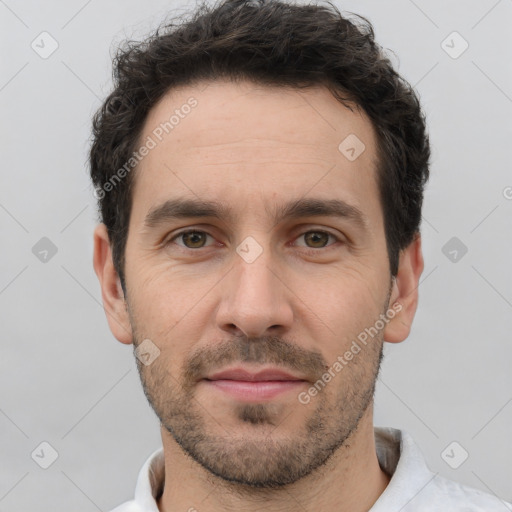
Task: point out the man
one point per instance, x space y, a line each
260 172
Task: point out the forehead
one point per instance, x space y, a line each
249 144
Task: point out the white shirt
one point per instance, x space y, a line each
412 488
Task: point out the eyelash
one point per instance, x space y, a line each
309 250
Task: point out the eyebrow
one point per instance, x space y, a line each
182 208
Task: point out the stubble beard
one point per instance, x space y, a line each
267 458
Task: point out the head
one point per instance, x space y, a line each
260 171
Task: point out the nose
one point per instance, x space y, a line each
255 300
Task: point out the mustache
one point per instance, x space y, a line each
263 350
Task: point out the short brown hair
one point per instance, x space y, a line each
276 44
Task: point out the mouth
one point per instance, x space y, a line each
249 386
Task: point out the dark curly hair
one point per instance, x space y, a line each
275 44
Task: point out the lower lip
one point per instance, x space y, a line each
250 391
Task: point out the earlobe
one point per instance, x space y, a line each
404 293
111 290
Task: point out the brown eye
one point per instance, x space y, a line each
192 239
316 239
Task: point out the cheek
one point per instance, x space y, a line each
162 294
346 303
168 308
343 291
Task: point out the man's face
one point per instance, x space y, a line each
254 290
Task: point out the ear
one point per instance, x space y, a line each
405 292
111 291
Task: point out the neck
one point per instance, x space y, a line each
350 481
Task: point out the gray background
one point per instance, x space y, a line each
65 380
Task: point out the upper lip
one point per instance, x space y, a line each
247 375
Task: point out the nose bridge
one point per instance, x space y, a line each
254 299
254 279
